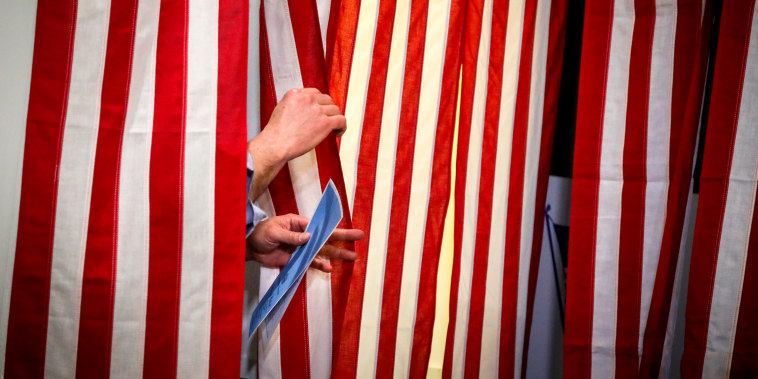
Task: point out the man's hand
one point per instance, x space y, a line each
273 241
301 120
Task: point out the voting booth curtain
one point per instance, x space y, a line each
123 169
125 256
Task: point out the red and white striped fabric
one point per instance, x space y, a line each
721 334
293 36
130 242
639 99
395 72
512 58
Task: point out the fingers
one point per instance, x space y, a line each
346 235
309 91
336 252
323 99
321 265
338 124
297 223
331 110
289 237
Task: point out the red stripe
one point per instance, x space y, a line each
632 224
486 185
745 353
294 328
401 190
166 191
469 54
714 180
98 284
331 32
509 316
553 67
577 347
685 113
346 354
340 58
48 98
229 245
439 196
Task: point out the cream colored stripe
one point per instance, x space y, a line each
75 186
385 168
533 144
471 198
17 20
445 267
489 362
735 230
130 293
426 128
199 188
605 296
355 102
657 151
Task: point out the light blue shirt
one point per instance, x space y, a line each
254 214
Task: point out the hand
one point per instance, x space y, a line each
301 120
273 241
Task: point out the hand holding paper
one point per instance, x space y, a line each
271 247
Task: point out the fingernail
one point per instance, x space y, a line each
304 237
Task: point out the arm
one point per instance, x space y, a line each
301 120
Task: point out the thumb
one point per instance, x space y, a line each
288 237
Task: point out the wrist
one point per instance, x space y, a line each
266 152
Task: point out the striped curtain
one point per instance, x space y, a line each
395 72
637 129
635 138
398 156
129 242
511 70
721 336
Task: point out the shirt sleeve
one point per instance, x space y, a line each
254 215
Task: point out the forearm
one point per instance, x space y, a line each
269 156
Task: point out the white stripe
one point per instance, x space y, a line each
609 194
355 102
735 231
675 323
531 169
16 20
418 202
323 7
130 293
319 303
75 186
193 347
269 355
657 151
471 200
489 361
385 169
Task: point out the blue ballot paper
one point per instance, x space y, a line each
270 309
